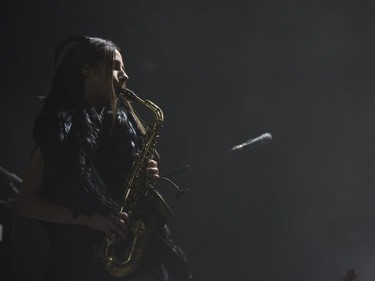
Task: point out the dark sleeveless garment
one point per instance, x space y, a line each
87 158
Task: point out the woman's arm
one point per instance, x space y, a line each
31 204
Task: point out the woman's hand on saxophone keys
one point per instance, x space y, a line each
152 170
115 227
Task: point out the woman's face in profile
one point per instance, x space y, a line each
97 87
119 75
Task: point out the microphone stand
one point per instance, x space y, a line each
262 139
12 178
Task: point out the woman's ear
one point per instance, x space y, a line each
85 70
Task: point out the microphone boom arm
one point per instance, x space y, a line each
262 139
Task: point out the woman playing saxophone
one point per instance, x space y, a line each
86 140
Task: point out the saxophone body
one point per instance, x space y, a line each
145 206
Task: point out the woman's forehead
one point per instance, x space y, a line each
118 56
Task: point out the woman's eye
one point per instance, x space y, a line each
117 65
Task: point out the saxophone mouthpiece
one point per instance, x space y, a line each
129 94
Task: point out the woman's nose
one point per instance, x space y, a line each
123 77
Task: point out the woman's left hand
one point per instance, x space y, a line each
152 170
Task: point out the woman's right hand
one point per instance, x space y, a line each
114 227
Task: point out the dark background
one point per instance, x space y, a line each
299 208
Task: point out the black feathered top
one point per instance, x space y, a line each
86 160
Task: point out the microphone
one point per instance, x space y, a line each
262 139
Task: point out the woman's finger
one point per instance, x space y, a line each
153 163
119 229
125 218
152 173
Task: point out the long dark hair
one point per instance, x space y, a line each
71 56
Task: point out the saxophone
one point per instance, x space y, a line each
121 257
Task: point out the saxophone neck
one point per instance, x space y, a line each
131 96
